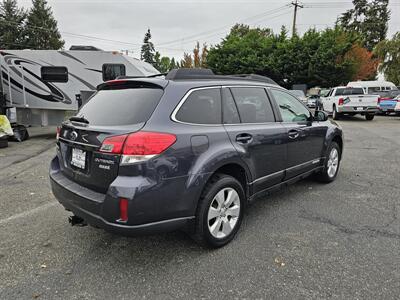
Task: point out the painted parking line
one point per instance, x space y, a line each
27 213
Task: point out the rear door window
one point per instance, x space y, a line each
253 105
201 107
121 106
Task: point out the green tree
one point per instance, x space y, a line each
389 53
369 19
41 28
164 64
173 64
12 21
148 53
316 58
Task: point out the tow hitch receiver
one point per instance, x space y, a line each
76 221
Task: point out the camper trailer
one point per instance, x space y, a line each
42 87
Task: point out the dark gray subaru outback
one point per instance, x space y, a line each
190 151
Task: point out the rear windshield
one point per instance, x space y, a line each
349 91
121 107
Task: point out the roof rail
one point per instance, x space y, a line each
255 77
179 74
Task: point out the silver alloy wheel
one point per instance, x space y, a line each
333 162
223 213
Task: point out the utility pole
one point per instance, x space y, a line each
296 5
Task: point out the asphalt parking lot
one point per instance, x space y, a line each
311 240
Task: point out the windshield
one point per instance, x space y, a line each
121 106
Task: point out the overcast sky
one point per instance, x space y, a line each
177 24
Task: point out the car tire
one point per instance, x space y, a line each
369 117
331 164
335 114
217 221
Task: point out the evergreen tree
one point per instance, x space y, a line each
41 28
147 53
12 21
173 64
368 19
157 61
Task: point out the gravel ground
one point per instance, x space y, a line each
311 240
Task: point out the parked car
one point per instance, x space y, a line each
312 101
350 101
190 151
388 101
300 95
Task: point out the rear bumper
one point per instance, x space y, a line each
354 109
387 109
102 210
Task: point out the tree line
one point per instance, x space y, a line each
165 64
356 48
35 28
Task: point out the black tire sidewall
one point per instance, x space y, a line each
224 181
369 117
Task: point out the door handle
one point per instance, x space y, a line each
293 134
244 138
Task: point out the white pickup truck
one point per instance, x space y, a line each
350 101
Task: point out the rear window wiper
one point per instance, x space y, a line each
79 119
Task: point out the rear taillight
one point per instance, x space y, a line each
58 130
123 210
147 143
138 146
113 144
341 101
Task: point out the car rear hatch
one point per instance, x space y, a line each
117 109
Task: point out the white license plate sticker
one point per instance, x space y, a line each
360 108
78 158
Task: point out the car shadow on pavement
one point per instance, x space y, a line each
173 245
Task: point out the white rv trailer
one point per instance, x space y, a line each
41 87
373 87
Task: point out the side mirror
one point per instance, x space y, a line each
320 116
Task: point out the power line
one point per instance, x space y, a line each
196 36
213 34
